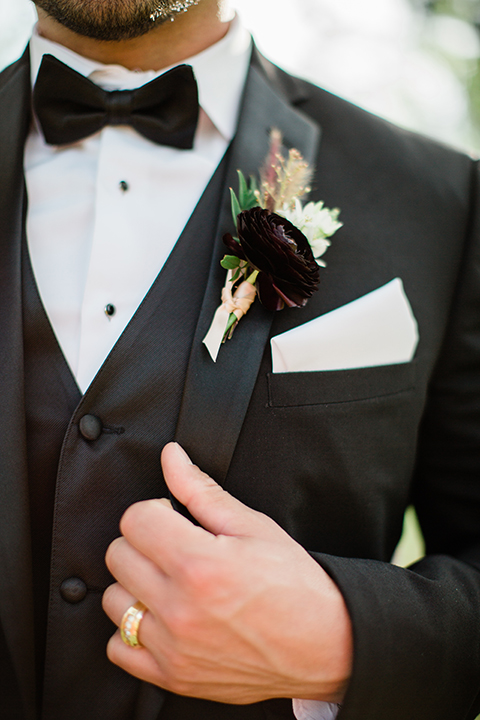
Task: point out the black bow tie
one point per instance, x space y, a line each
70 107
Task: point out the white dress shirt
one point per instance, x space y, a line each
105 213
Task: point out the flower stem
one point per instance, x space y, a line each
231 322
233 319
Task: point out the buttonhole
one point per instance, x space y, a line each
112 430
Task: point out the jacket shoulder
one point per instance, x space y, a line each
12 72
365 138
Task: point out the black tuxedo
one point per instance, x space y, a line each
333 457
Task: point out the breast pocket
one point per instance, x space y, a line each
339 386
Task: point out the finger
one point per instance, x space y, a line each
136 661
152 634
138 574
163 535
151 631
216 510
116 601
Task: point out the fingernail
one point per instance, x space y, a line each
182 454
163 501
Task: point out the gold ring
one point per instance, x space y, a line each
130 624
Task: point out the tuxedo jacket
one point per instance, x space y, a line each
334 457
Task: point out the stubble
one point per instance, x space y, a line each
113 19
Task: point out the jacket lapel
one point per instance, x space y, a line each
217 395
16 607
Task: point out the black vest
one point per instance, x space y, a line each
83 476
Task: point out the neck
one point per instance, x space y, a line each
167 44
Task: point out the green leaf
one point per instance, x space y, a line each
230 262
236 275
242 190
246 192
236 209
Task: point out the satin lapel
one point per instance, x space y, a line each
217 395
16 608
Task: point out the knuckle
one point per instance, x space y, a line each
113 650
201 576
108 597
129 518
179 621
210 482
112 552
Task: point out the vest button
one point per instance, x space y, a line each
90 427
73 590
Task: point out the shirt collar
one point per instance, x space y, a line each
220 71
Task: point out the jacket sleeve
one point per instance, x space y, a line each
417 630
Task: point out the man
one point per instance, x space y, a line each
239 617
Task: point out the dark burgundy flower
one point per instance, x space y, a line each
288 273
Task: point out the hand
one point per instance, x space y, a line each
238 612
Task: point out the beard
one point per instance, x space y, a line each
113 19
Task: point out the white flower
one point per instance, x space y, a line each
316 222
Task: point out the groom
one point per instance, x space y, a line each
111 241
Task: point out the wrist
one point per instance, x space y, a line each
330 649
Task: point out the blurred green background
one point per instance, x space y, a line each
466 68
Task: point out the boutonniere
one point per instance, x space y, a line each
276 251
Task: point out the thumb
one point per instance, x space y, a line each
215 509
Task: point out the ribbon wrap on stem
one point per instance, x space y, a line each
234 304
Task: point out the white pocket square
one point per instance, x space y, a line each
376 329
